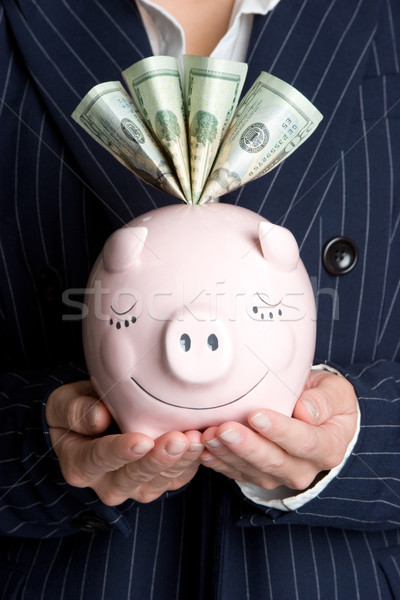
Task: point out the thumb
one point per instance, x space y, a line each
312 407
75 406
326 395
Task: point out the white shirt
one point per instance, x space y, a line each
167 37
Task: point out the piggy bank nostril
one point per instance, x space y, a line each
185 342
212 342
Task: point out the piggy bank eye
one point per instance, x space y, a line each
126 320
212 342
185 342
265 310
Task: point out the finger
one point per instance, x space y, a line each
213 447
75 407
321 445
325 396
243 455
187 464
168 450
216 464
157 472
84 460
247 456
196 445
189 459
239 449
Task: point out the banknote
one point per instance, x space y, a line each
212 90
192 140
272 120
108 114
156 87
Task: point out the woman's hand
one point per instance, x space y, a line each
280 450
121 466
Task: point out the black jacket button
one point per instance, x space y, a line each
339 255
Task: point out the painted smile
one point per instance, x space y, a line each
200 407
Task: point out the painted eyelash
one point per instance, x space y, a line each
268 303
125 312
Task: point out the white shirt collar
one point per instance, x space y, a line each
167 37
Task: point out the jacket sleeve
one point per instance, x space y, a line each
365 493
35 500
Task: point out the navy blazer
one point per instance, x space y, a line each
62 194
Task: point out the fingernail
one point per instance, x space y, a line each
91 416
214 443
195 447
171 474
232 436
207 458
261 420
311 407
173 448
141 448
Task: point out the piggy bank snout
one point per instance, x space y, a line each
198 350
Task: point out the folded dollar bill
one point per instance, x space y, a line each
188 136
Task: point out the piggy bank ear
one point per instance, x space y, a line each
124 247
278 246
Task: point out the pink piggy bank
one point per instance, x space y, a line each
197 315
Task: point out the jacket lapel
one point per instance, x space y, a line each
70 46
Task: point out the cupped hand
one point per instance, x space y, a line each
119 466
279 450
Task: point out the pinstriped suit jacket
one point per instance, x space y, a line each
61 195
